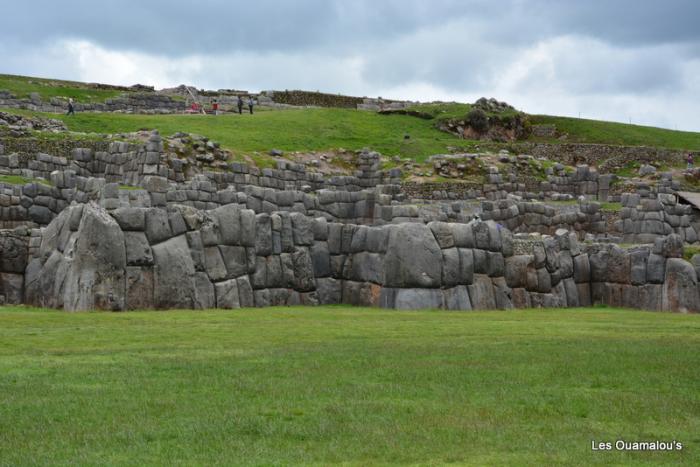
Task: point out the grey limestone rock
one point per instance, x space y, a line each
95 273
418 299
680 289
138 251
443 234
228 218
157 225
263 234
516 270
130 218
174 273
413 257
227 294
481 293
235 259
457 298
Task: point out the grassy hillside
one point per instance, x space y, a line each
331 385
324 129
23 86
597 131
289 130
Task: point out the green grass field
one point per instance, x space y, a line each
346 385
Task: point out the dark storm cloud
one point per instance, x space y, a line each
179 28
212 26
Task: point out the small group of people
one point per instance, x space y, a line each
239 104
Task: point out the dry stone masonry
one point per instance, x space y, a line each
120 225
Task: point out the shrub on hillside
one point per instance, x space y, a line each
478 120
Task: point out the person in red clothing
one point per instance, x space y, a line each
215 107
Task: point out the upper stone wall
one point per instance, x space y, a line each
132 102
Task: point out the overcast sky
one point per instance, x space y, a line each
608 59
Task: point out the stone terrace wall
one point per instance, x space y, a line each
603 156
132 102
584 181
180 257
538 217
316 99
643 220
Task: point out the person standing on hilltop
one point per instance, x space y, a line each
71 108
250 104
240 105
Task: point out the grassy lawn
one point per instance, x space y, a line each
351 385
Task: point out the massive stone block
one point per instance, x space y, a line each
157 225
227 294
418 299
139 288
174 274
96 266
228 218
481 293
457 298
413 258
138 251
680 290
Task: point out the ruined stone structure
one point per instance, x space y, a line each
125 225
173 101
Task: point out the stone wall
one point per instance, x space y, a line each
137 102
584 181
181 257
605 157
315 99
642 220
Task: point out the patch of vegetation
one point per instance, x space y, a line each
130 187
478 120
629 170
441 111
263 161
689 251
20 180
23 86
610 206
339 385
562 202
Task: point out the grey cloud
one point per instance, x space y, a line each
178 28
454 47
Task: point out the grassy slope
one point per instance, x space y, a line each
596 131
22 86
323 129
320 129
363 386
289 130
